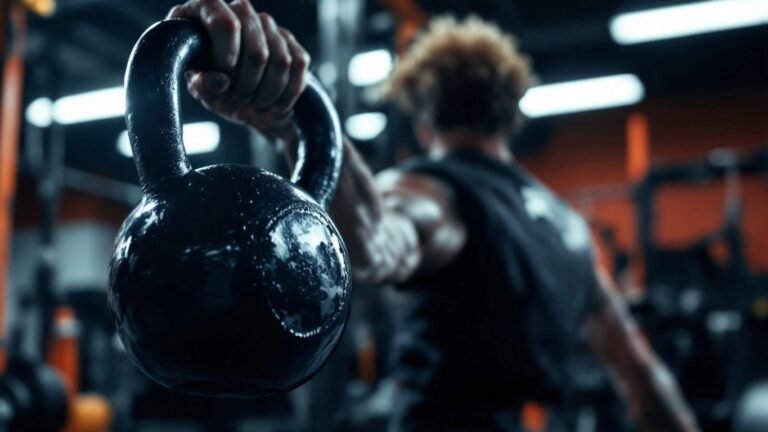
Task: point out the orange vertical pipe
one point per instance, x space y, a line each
63 353
638 163
10 121
366 362
638 146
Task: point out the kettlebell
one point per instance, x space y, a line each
226 280
33 397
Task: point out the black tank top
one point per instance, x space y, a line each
497 326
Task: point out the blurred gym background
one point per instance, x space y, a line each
651 118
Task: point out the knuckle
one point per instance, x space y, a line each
238 6
258 54
243 10
302 61
181 9
287 34
283 61
224 22
267 20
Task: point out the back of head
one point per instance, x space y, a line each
462 74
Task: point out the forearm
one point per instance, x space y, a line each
382 244
654 399
649 389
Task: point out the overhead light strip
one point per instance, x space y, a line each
582 95
371 67
201 137
94 105
687 19
365 126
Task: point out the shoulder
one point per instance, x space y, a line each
402 181
429 203
422 196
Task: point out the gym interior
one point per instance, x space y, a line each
648 118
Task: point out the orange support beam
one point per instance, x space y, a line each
10 122
638 146
87 412
406 10
638 163
63 352
410 19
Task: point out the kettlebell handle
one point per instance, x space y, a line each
153 118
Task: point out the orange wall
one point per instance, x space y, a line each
74 206
589 149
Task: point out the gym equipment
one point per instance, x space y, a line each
698 309
751 415
32 398
225 280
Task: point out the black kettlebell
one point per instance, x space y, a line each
33 397
225 280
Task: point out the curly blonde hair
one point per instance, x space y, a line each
462 74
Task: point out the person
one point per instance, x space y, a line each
498 272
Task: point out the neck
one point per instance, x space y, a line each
493 145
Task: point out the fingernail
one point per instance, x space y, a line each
217 83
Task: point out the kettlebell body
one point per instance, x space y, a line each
229 281
225 280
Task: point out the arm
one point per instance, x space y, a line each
649 389
394 225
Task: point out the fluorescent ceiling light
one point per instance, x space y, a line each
95 105
328 73
687 19
40 112
370 67
200 137
582 95
365 126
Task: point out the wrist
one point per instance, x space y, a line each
274 126
285 137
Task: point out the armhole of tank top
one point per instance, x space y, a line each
445 173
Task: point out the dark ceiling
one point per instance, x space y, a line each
85 46
88 41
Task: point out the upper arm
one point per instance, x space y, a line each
418 216
395 224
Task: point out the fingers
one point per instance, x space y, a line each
277 72
259 70
298 74
207 85
222 25
254 51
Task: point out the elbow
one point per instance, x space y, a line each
387 261
375 270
